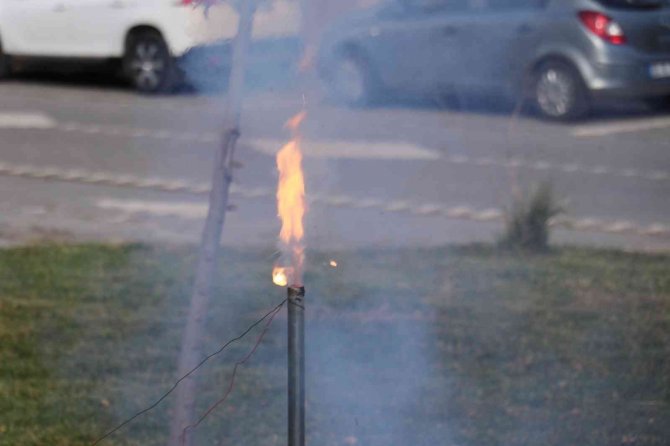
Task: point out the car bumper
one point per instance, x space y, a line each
271 63
207 65
627 80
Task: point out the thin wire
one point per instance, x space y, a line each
272 313
231 384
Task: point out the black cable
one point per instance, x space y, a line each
174 386
232 379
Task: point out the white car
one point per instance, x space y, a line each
147 36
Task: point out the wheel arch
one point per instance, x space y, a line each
375 88
352 48
330 53
552 57
569 60
138 29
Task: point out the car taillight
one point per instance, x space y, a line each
603 26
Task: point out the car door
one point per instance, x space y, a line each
34 27
446 23
499 46
415 47
98 26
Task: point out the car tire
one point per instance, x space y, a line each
149 64
661 103
5 65
559 92
351 80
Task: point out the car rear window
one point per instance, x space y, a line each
505 5
634 4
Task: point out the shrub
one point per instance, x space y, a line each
527 222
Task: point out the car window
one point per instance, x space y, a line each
634 4
431 6
512 5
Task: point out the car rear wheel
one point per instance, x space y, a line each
559 92
351 81
5 65
661 103
149 64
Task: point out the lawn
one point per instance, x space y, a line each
467 346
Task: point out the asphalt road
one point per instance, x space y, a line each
394 175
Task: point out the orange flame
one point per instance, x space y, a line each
280 276
291 204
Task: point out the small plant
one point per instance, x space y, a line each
527 222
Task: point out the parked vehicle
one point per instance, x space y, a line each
561 54
146 36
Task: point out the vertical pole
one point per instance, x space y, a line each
222 177
296 366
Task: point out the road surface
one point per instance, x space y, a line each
96 161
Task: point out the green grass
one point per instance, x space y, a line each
455 346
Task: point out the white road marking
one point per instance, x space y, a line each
458 159
105 101
621 126
33 211
599 170
26 120
398 206
135 132
191 210
658 175
489 215
332 149
541 165
350 149
188 210
513 162
335 200
198 211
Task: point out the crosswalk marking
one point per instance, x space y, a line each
26 120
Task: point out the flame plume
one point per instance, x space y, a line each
291 206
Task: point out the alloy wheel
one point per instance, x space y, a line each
555 92
148 65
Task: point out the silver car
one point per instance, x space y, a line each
560 54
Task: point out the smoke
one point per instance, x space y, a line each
366 380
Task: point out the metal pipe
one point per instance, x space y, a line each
296 366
